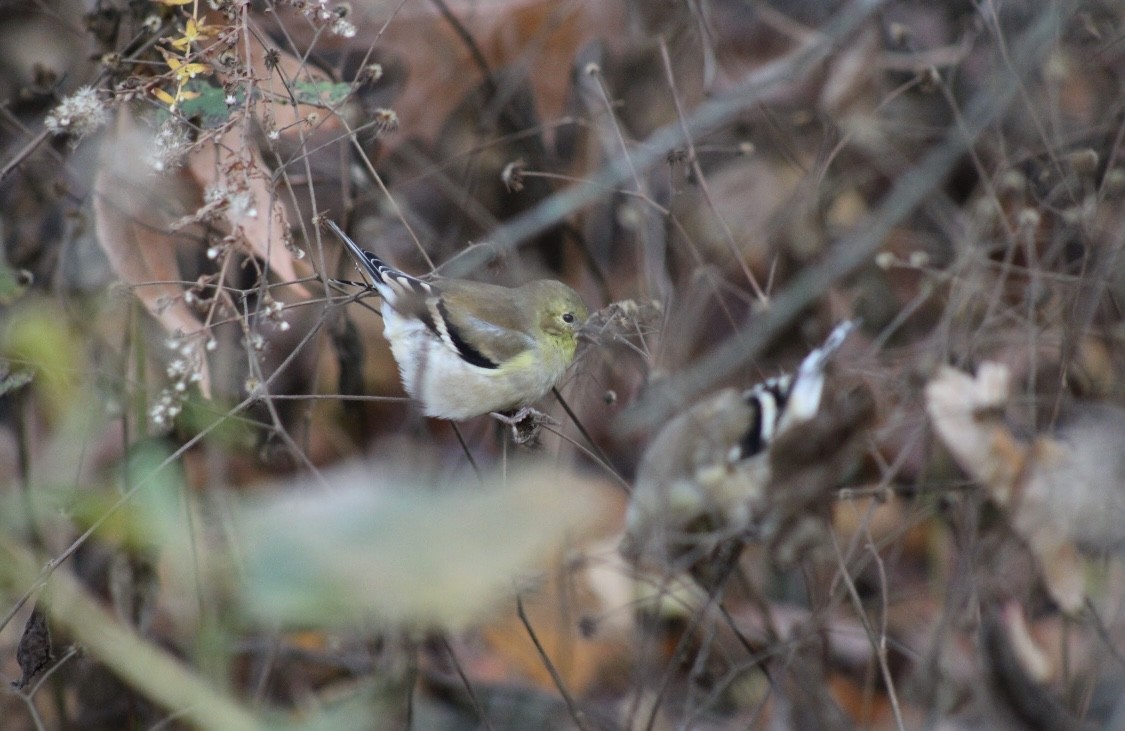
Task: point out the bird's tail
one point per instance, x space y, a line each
369 264
786 400
808 384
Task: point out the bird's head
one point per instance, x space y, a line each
561 312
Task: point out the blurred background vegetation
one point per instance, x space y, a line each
218 510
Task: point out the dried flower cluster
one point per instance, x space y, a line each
184 370
78 115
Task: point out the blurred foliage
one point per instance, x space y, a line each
379 549
38 337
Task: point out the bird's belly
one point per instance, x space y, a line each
449 388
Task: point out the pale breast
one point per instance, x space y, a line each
449 388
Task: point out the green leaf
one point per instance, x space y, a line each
211 105
321 93
36 336
400 553
153 517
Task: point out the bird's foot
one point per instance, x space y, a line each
525 424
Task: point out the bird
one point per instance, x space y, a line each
703 478
467 348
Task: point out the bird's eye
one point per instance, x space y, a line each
568 317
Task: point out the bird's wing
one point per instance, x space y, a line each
484 322
767 402
778 403
480 322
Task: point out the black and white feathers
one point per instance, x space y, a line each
706 472
410 296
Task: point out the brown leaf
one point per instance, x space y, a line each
1017 477
984 447
133 209
442 70
229 165
34 650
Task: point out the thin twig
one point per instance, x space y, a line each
576 713
879 642
710 115
477 706
911 190
580 426
465 448
704 188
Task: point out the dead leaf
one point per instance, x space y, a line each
34 651
1019 478
252 209
442 70
133 208
984 447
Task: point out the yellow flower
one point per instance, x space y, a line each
184 71
192 33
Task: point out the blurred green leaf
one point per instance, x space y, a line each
37 336
211 105
159 483
405 555
153 515
321 93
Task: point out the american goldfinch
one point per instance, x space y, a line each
704 477
468 348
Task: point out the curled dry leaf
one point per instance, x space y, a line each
139 214
964 411
1022 479
1017 671
133 210
252 209
34 650
1031 657
233 165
